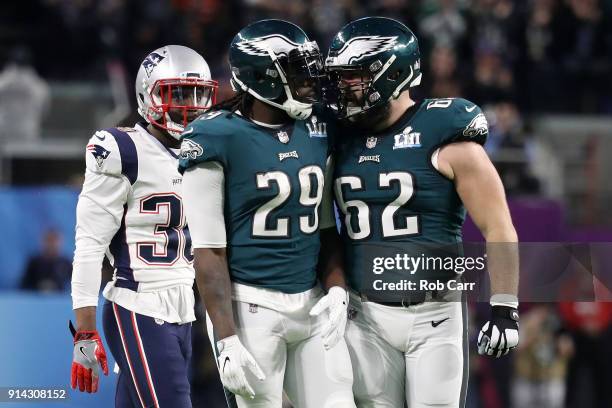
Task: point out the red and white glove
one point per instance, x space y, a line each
87 355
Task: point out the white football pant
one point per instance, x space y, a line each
415 355
289 349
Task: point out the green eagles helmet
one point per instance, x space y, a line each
274 61
377 55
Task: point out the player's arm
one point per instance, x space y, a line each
99 213
203 198
331 264
203 190
331 269
212 278
482 193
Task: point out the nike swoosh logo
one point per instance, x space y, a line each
439 322
186 132
83 353
470 109
224 363
101 137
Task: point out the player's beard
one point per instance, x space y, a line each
369 119
177 115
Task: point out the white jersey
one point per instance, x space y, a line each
131 210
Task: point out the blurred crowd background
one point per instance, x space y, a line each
541 70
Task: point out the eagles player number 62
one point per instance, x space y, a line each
261 222
389 229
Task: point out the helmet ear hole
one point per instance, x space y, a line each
394 76
258 76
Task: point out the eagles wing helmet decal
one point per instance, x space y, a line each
190 149
360 47
259 46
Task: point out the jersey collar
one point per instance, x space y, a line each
401 122
262 124
142 127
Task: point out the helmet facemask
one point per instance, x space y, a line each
350 91
300 74
305 73
177 101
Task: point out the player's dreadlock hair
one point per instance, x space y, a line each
242 102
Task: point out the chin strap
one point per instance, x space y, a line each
295 109
172 128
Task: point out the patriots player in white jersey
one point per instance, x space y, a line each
131 209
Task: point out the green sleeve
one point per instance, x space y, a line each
468 123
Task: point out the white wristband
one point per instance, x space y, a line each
501 299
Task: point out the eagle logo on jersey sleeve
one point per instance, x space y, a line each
478 126
190 150
259 46
99 153
358 48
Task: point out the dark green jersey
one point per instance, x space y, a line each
273 187
387 188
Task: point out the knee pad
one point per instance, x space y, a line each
338 364
439 374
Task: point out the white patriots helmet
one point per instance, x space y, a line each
173 87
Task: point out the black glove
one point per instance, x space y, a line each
501 333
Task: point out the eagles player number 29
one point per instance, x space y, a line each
263 226
177 238
389 228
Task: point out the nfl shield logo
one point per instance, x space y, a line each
371 142
283 137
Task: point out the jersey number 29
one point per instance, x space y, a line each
265 225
